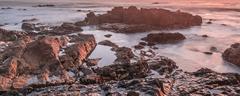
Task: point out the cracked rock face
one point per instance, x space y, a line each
42 58
232 54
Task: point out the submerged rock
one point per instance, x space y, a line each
232 54
108 43
108 35
164 38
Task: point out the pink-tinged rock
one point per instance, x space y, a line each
42 53
157 18
82 48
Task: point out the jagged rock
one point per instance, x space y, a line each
42 59
232 54
157 18
78 52
43 53
124 55
164 38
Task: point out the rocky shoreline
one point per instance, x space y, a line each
44 60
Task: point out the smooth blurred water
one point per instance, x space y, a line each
188 54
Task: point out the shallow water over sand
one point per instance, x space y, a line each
188 54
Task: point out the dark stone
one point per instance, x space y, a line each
164 38
205 36
108 35
208 53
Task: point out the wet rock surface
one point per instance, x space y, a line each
30 58
164 38
132 19
232 54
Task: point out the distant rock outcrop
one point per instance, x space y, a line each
156 18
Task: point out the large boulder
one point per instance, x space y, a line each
42 53
164 38
232 54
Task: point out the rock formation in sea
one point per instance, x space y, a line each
140 20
